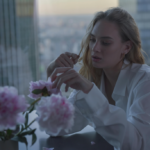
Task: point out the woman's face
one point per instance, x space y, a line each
105 43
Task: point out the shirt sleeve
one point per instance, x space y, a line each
124 132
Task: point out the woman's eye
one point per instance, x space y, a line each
105 43
92 40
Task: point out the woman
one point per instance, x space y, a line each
112 88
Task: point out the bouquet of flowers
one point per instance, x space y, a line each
14 112
54 111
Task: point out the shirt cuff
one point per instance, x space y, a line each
94 100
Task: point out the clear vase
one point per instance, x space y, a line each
9 145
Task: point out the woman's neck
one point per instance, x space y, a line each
111 74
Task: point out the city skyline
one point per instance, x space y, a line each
73 7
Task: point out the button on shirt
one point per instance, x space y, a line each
126 126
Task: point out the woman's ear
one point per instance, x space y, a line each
127 47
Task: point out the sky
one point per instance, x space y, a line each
73 7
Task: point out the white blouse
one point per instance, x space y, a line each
126 126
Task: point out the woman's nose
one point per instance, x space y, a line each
96 46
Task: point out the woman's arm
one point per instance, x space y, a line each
111 122
108 120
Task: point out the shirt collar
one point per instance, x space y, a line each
120 86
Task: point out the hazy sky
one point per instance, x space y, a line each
61 7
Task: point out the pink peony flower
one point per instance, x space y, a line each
55 113
11 107
40 85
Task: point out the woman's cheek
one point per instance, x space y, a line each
90 47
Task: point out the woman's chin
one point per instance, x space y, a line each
97 65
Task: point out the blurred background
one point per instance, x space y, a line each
35 32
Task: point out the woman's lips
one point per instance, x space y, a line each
96 59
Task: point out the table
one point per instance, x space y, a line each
77 141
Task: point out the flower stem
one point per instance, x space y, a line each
25 127
30 124
35 101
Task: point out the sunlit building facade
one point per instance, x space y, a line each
140 10
18 44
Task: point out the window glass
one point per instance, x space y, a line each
35 32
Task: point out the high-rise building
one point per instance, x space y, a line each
18 44
140 10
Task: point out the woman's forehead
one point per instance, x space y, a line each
105 28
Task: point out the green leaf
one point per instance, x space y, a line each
1 133
2 136
37 91
30 132
22 128
20 139
44 90
9 134
34 138
26 121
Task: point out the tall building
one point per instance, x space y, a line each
140 10
18 44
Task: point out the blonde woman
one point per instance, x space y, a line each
112 88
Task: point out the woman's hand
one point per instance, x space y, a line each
71 78
66 59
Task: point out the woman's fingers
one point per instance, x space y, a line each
75 61
59 70
73 56
68 84
64 78
67 61
60 64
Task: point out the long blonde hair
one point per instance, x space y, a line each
128 31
